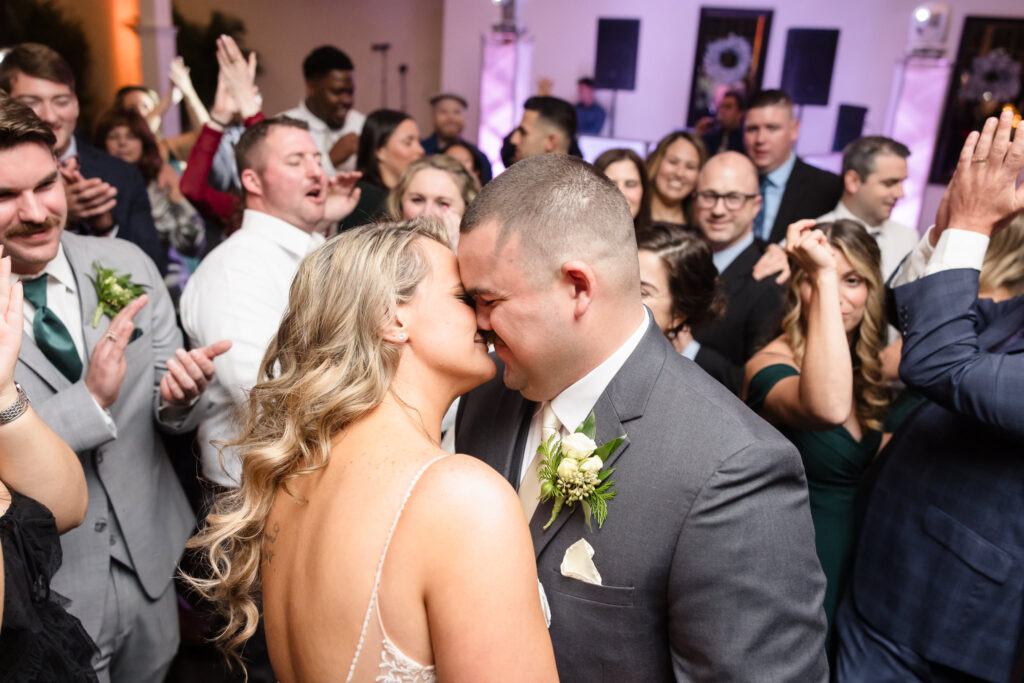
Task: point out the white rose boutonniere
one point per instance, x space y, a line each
571 472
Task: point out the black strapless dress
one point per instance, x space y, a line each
39 640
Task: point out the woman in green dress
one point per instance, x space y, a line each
821 382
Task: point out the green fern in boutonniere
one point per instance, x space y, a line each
113 291
571 472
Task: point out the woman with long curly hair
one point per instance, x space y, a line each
821 381
369 551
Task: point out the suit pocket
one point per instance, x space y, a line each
976 552
615 596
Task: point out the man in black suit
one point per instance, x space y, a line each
791 189
106 196
726 202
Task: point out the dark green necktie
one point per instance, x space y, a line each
52 338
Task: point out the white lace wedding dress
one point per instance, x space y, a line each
376 657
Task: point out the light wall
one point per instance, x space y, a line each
114 45
283 33
873 36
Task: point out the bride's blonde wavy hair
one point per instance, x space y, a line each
327 366
870 392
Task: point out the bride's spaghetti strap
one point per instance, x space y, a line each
380 564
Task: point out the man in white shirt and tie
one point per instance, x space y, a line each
874 169
327 108
240 291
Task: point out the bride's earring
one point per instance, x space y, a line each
402 336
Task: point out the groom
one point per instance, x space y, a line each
706 559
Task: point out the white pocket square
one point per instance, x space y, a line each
578 563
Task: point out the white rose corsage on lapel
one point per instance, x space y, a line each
114 291
572 471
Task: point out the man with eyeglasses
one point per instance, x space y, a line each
726 201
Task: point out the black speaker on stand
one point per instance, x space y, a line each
615 64
807 67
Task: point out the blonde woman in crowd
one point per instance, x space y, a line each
438 186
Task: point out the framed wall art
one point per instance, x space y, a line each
731 48
987 78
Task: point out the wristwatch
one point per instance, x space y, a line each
16 409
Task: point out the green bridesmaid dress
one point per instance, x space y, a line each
836 464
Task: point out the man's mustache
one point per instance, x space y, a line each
22 229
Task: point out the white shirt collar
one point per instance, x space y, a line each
576 401
842 211
283 233
72 149
59 268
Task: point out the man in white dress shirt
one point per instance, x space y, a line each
874 169
327 108
240 291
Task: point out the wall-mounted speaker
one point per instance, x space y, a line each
807 67
617 43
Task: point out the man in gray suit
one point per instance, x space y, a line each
706 561
102 387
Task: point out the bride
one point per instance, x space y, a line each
370 553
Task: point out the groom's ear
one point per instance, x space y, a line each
581 278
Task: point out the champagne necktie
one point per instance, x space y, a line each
52 338
529 489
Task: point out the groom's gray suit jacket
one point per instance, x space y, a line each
707 556
128 473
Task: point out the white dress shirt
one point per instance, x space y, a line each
576 401
895 240
62 299
955 249
324 136
240 292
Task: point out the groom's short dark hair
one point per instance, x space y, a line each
563 208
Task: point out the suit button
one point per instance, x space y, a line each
113 541
100 525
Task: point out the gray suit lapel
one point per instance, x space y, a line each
623 401
81 266
34 359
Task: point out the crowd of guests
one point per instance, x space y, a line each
821 477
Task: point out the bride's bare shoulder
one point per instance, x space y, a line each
461 487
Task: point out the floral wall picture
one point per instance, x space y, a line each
731 48
987 78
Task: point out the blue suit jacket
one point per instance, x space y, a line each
940 566
132 214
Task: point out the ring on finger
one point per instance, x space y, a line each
111 336
980 160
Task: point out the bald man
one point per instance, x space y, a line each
726 201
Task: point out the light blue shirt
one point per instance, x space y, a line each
774 187
725 257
